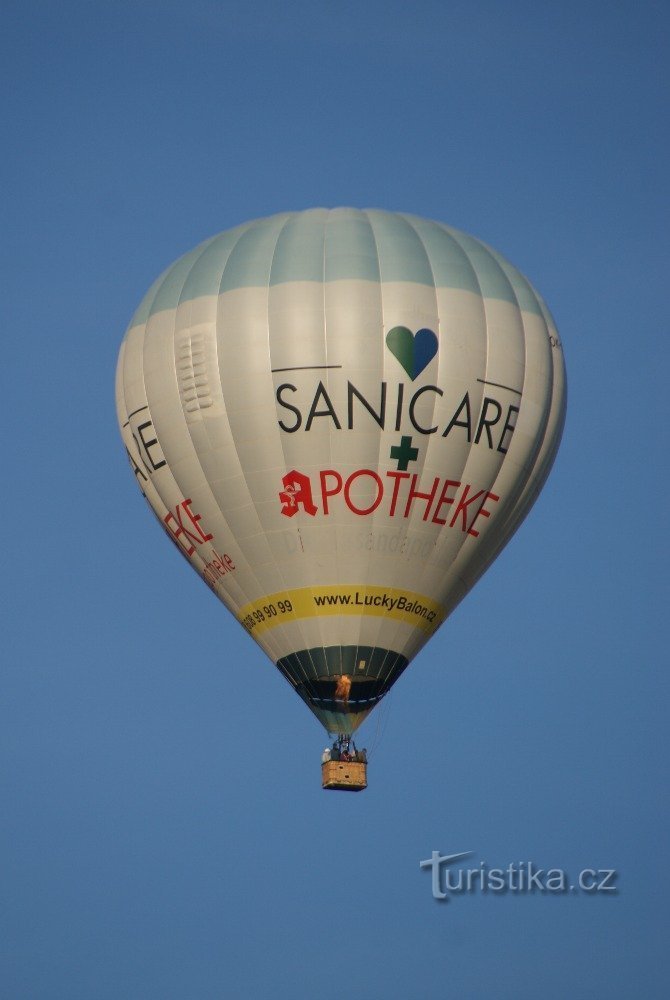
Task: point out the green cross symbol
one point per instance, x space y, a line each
404 453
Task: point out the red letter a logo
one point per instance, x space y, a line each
297 490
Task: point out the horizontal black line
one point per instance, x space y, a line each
499 385
138 410
304 368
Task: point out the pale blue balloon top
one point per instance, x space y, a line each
335 244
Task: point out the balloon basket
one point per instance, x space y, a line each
344 776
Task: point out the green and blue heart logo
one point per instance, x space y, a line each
414 351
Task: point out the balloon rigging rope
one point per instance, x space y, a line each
382 720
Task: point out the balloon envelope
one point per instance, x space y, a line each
340 417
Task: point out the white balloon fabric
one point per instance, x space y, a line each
340 417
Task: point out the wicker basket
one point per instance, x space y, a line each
344 776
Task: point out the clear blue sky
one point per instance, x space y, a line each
163 833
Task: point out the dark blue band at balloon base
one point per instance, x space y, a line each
342 684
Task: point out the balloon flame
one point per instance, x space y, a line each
343 687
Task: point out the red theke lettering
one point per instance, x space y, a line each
217 567
448 484
188 534
462 509
414 494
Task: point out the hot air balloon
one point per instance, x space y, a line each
340 417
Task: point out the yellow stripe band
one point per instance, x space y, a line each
349 599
